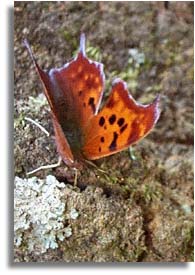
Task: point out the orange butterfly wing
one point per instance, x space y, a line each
61 141
74 94
120 123
79 85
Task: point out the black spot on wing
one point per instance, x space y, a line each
112 119
102 139
101 121
92 104
120 121
113 144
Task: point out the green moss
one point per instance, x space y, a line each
94 53
151 192
131 72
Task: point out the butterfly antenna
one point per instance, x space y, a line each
82 44
38 125
44 167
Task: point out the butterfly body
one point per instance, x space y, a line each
82 131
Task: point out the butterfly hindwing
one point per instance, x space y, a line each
120 123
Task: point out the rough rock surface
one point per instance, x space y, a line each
51 218
123 210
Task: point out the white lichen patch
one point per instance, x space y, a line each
39 213
74 214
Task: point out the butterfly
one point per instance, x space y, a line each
82 130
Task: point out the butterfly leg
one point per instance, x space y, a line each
44 167
131 153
